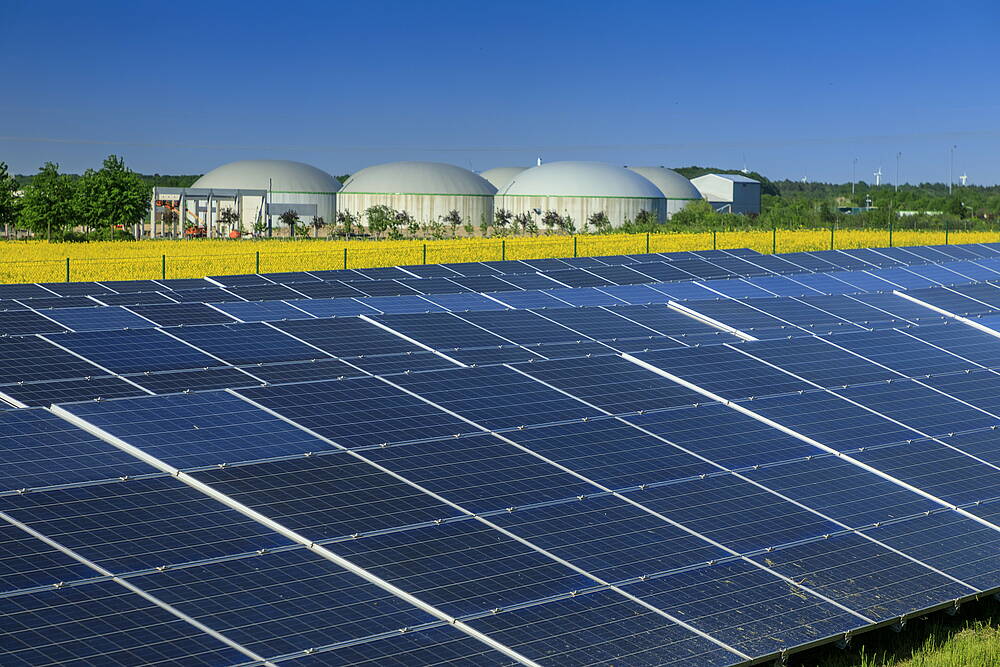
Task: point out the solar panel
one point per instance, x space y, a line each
97 318
135 351
182 313
266 292
329 289
46 393
40 449
60 302
140 524
263 311
133 299
251 343
21 322
102 623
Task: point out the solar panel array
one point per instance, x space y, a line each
691 459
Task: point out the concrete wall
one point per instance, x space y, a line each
618 209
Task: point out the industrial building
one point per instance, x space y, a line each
580 189
428 191
677 189
730 193
258 191
501 176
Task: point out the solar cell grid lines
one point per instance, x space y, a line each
447 464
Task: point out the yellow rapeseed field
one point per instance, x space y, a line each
39 261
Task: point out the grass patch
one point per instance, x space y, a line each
971 638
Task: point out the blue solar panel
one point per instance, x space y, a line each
495 397
464 302
283 602
635 294
401 304
182 313
140 524
529 299
263 311
585 296
98 318
266 292
607 627
204 429
135 351
40 449
27 562
250 343
133 298
169 382
21 322
57 391
102 623
326 497
359 412
58 302
32 359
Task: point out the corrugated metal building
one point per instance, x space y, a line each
677 190
285 185
580 189
428 191
730 193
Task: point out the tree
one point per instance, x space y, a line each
600 222
9 201
317 224
695 215
524 221
290 218
453 219
380 218
229 218
346 221
502 220
47 204
112 197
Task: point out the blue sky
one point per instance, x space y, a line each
799 89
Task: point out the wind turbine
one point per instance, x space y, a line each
963 178
878 176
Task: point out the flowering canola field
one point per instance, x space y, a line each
39 261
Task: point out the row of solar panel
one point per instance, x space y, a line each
89 364
377 283
957 275
593 526
540 623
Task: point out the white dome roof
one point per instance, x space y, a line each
284 175
671 184
501 176
428 178
581 179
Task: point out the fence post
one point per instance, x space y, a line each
503 250
890 230
425 253
256 265
647 243
574 245
774 240
714 243
163 267
345 258
833 226
947 226
67 269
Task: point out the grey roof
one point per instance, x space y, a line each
284 176
433 178
736 178
671 184
581 179
501 176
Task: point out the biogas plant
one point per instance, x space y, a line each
251 195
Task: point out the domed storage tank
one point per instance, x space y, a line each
501 176
581 189
677 189
301 186
428 191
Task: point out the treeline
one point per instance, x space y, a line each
104 202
